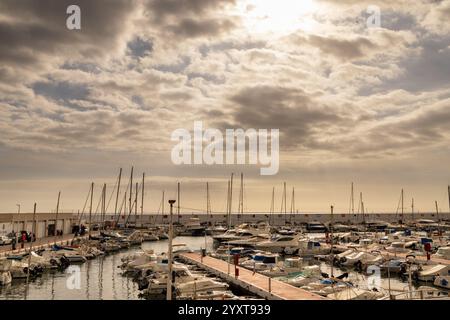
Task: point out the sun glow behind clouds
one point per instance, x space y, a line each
278 16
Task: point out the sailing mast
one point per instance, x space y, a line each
135 205
103 206
90 211
331 234
229 219
352 201
118 192
131 194
33 229
272 206
142 200
208 203
403 207
56 216
292 204
231 194
283 203
178 205
241 198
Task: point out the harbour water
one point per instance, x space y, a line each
100 278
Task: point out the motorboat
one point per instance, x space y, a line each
352 293
5 274
359 259
243 231
193 228
194 287
308 275
401 247
442 281
316 226
249 242
393 266
73 255
215 230
311 248
430 272
443 253
280 244
261 261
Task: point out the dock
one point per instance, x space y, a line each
256 283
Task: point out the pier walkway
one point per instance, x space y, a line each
39 243
256 283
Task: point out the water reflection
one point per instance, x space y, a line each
100 278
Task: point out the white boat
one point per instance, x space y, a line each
5 274
362 258
442 281
285 268
261 261
192 288
429 273
279 244
249 242
401 247
356 294
193 228
443 253
308 275
308 247
243 231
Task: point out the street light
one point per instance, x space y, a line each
169 276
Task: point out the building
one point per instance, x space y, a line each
45 223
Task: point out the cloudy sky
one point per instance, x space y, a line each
353 101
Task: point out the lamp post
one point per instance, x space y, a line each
169 276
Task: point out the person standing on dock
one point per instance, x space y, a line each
24 238
13 241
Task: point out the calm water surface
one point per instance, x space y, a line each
100 277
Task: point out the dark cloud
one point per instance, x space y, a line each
139 47
299 118
36 31
185 19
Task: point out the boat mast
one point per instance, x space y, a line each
241 198
283 203
402 210
90 211
103 206
135 205
131 193
331 234
56 216
169 275
437 216
352 201
292 204
229 220
33 230
272 205
117 193
231 195
142 200
448 192
178 203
